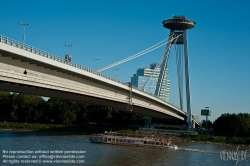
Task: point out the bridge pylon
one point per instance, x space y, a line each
178 26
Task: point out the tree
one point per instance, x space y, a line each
233 124
33 108
98 114
5 104
209 124
29 107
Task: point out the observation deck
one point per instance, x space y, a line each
178 23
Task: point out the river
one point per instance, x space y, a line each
21 144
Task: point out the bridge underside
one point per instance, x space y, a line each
41 91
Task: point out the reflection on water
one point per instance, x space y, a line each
102 154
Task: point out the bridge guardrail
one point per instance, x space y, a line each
21 45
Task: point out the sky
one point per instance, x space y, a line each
111 30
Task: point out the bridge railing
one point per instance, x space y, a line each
21 45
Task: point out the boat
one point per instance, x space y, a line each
118 139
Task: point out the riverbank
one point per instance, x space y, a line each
33 127
203 138
94 129
212 139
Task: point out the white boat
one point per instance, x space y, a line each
116 139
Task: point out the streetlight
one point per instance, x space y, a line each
68 45
24 28
116 74
206 116
96 59
68 56
130 103
206 112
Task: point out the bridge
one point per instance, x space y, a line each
52 76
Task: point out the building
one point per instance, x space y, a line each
146 79
195 117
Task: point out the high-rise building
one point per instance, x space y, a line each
195 117
146 79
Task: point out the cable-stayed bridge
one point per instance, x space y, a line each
53 76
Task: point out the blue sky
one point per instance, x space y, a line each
113 30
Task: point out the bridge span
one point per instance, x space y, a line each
51 76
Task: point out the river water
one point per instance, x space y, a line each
24 143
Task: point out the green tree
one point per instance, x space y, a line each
29 107
81 110
209 124
233 125
61 111
5 104
98 114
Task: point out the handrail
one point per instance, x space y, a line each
26 47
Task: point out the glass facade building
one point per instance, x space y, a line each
146 79
195 117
